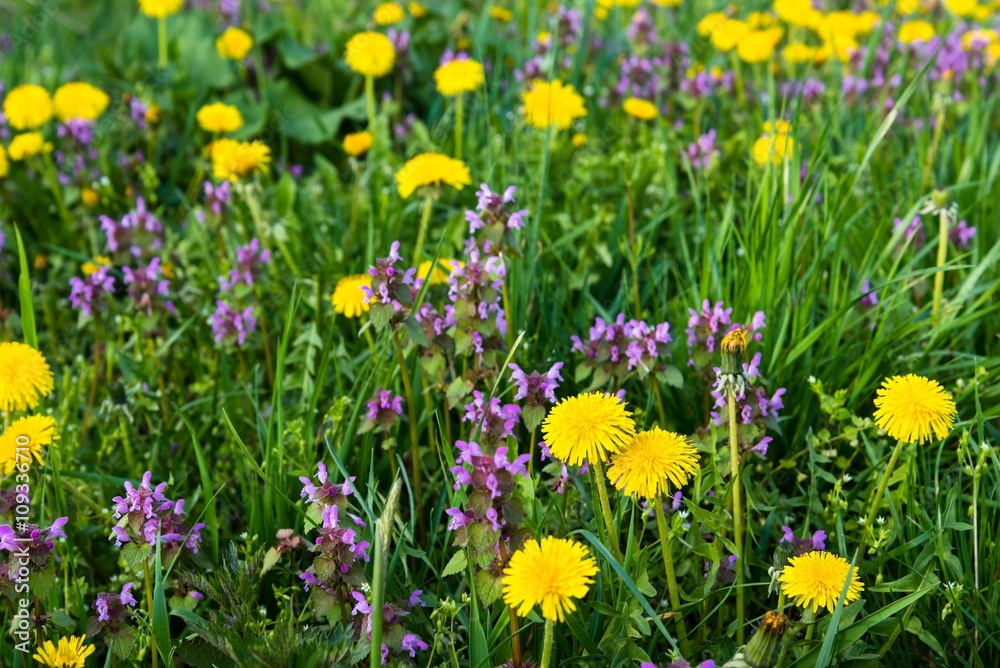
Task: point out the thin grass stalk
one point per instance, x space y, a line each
873 509
515 638
414 442
161 33
734 455
149 608
668 567
370 103
425 219
458 126
609 523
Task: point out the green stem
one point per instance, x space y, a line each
412 410
547 643
458 126
734 456
873 509
370 99
422 232
149 608
609 523
378 596
942 256
161 31
668 566
50 174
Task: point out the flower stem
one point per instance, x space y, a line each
414 442
422 232
149 608
515 639
458 126
547 643
942 257
609 523
873 509
734 456
161 30
370 100
668 566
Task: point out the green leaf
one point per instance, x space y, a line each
672 376
284 195
160 617
456 564
24 294
134 554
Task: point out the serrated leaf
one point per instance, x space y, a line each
672 376
456 564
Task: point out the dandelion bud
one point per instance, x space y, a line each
734 348
762 650
940 198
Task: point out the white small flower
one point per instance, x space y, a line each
683 514
848 477
262 610
811 379
880 519
862 521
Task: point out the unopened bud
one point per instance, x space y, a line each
734 350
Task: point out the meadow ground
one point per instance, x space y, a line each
500 333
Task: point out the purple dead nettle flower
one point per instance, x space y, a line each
913 233
558 469
325 493
217 197
145 513
392 290
113 612
618 348
78 129
702 152
492 481
869 295
961 234
86 293
32 542
398 641
401 130
148 291
492 423
537 390
138 109
708 82
137 232
495 219
727 570
401 45
475 317
384 409
816 542
707 327
250 262
811 90
231 325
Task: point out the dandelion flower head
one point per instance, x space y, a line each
79 100
234 44
348 297
551 574
69 652
654 460
219 117
27 435
160 9
27 107
233 159
358 143
644 110
25 377
459 75
587 427
815 580
552 104
388 13
431 169
370 54
914 409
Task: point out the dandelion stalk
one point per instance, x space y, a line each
370 101
547 644
609 523
668 566
458 126
515 638
873 509
424 221
942 256
149 608
161 31
734 454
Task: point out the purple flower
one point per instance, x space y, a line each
86 293
217 197
147 290
869 297
250 262
413 644
913 234
229 325
702 152
961 234
385 408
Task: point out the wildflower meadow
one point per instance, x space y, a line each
500 333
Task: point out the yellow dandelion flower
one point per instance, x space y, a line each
25 376
4 164
358 143
551 574
417 10
159 9
348 297
24 439
729 34
587 427
654 458
914 409
668 3
816 579
773 149
89 267
915 31
963 8
501 14
797 13
370 54
979 38
234 44
219 117
388 13
459 76
431 169
79 100
907 7
798 53
547 104
27 107
579 140
440 275
90 197
710 23
71 652
644 110
758 46
153 114
233 159
27 145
